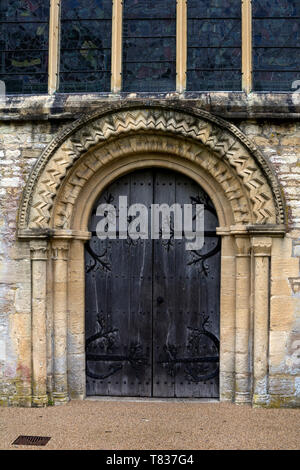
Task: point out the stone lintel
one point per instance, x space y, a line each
70 106
268 230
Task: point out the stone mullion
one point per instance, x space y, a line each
54 53
242 320
262 252
116 46
247 45
60 282
39 347
181 45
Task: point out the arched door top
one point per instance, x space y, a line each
97 144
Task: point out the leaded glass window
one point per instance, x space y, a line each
24 32
276 44
214 45
85 57
149 45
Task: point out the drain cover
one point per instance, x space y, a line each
31 441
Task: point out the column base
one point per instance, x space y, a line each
60 398
242 398
40 401
260 401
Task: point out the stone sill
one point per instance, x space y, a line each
232 105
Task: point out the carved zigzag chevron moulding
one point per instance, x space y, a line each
230 157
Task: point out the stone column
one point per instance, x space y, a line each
76 322
39 258
227 316
262 252
60 305
242 320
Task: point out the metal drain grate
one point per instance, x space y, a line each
31 441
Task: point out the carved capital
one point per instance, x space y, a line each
243 246
60 249
261 246
39 250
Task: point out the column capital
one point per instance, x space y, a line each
243 245
60 249
261 246
39 250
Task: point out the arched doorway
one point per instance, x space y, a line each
152 306
78 165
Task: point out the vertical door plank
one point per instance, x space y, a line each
164 284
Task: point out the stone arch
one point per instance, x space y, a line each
216 147
70 174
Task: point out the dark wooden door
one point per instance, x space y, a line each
152 307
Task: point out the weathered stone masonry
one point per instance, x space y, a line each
42 280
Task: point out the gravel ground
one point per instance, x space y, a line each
159 425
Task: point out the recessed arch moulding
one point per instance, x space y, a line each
67 179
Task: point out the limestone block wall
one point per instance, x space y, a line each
279 141
21 143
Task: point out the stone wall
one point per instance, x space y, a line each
20 145
279 142
23 138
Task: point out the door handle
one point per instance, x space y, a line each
160 300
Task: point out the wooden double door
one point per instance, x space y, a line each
152 306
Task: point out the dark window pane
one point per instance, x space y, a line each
88 61
214 9
215 33
33 62
149 45
88 9
80 82
216 80
26 83
276 8
275 59
146 27
86 34
276 32
138 50
23 36
214 45
274 81
24 31
85 60
276 44
137 9
216 59
24 10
